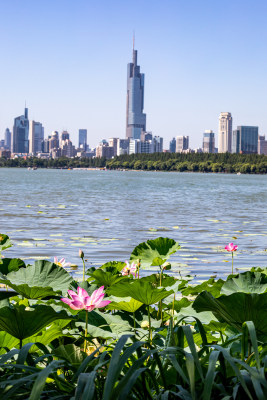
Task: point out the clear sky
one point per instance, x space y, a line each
68 60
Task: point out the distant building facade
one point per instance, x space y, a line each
245 140
53 141
152 145
158 144
20 134
172 146
113 142
225 133
64 136
104 150
182 143
83 139
36 137
7 139
122 147
135 118
208 142
262 145
67 148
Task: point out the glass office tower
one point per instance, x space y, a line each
135 118
245 140
20 136
83 138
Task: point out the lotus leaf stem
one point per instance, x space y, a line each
85 334
149 326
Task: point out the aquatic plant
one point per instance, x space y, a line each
231 248
156 337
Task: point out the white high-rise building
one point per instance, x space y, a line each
36 136
182 143
225 133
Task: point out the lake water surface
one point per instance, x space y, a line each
51 213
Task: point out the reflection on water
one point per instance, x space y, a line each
51 213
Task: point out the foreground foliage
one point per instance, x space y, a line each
159 337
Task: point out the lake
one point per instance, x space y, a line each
51 213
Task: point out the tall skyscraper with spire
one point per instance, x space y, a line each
20 134
135 118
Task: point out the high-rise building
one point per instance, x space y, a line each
20 136
262 145
53 141
36 137
135 118
67 148
245 140
208 142
182 143
113 142
8 139
145 136
158 144
83 139
225 133
172 147
64 136
104 150
122 147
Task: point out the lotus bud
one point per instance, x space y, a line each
144 324
81 253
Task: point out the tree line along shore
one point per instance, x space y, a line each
203 162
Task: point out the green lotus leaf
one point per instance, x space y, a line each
22 323
139 290
4 294
236 309
178 304
189 314
130 306
247 282
154 252
40 280
71 353
118 265
106 279
166 280
5 242
211 286
11 264
104 326
7 341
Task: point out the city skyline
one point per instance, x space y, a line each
198 63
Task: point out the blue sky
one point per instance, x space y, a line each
68 60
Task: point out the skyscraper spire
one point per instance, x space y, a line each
135 117
134 51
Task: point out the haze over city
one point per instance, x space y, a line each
68 61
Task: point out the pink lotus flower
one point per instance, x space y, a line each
82 301
231 247
129 269
61 263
